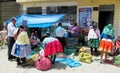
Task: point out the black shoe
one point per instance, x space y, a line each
92 54
11 60
101 62
25 64
19 63
53 62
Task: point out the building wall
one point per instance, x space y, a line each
79 3
36 1
44 5
97 3
8 10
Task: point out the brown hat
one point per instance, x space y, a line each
83 49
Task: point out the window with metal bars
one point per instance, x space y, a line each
34 10
6 0
69 11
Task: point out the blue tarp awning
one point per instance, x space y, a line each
38 20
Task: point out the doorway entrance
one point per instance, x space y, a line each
106 15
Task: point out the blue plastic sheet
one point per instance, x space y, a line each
38 20
68 61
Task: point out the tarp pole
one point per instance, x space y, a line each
54 30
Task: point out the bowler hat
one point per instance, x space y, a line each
94 24
24 23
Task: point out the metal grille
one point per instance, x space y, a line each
34 10
69 11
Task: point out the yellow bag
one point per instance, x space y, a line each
35 57
32 60
85 57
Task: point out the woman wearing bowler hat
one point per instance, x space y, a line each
93 38
21 49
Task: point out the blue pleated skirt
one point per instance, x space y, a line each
21 50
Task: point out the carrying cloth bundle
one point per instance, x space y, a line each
108 29
44 63
85 56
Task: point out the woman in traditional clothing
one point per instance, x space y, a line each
93 38
106 44
21 49
51 46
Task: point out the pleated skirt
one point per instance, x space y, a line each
94 43
52 48
106 45
21 50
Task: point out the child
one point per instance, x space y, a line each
117 46
33 40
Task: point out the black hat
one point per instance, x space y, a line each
94 24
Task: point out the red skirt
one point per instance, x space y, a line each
53 48
106 46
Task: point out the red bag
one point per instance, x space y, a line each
43 63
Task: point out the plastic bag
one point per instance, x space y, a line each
85 57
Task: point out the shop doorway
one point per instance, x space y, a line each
106 15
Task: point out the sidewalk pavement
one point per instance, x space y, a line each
95 67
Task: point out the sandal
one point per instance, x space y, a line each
101 62
106 60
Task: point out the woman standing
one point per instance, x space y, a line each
21 49
93 38
106 44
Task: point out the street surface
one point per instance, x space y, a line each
95 67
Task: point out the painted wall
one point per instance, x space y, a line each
97 3
79 3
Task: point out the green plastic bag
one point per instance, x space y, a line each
116 60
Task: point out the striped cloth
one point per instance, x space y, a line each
94 43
